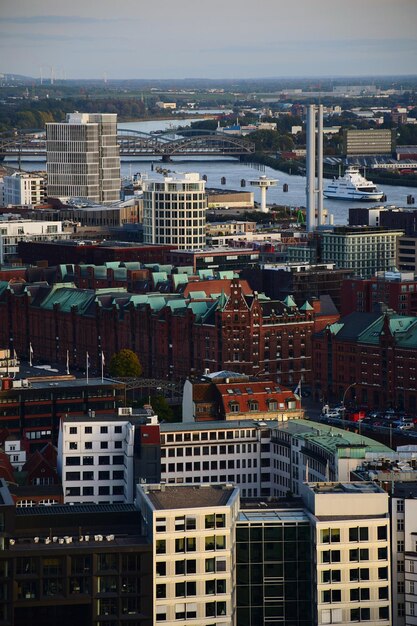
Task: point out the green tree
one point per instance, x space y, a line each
162 408
125 364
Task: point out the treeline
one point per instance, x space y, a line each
35 114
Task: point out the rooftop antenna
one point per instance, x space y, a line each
105 78
41 74
52 75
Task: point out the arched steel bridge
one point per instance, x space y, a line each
135 143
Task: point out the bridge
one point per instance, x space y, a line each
135 143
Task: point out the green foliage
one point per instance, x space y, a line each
125 364
270 141
162 408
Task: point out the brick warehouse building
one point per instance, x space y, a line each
369 359
174 336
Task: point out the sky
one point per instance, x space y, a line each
208 39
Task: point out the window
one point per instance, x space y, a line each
360 614
73 430
118 445
88 475
104 430
118 430
161 591
88 491
383 593
330 535
104 491
161 569
382 554
104 460
361 554
72 460
382 533
215 520
188 566
214 565
214 609
88 430
117 459
104 475
359 594
214 587
88 445
400 525
359 534
330 556
215 542
383 612
400 506
360 573
104 445
331 576
184 589
160 546
331 595
161 613
88 460
383 573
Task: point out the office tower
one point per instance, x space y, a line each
174 211
82 158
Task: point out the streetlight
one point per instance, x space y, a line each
344 396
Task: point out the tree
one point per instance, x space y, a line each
162 408
125 364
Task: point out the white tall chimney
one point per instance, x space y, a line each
310 168
320 213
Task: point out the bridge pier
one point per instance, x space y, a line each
166 158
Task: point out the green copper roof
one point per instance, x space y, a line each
67 298
197 295
289 301
306 306
402 328
334 439
202 274
179 279
3 286
229 274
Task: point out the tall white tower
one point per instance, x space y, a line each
174 211
82 158
263 183
313 190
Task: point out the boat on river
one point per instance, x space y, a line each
353 186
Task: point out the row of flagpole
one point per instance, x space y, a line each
87 362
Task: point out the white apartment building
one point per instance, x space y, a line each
174 211
264 458
352 546
95 459
82 158
192 529
101 458
11 232
24 189
16 452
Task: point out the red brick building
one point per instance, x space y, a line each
397 290
173 336
231 396
369 359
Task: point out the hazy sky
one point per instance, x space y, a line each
208 39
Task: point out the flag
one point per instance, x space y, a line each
103 360
15 355
297 390
68 362
87 359
30 354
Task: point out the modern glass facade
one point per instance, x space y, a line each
274 568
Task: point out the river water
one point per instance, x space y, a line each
234 171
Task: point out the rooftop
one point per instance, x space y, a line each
352 488
178 497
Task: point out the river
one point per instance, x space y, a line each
234 171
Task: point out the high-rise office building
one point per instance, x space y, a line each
174 211
83 158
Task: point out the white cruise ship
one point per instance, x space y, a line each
352 186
